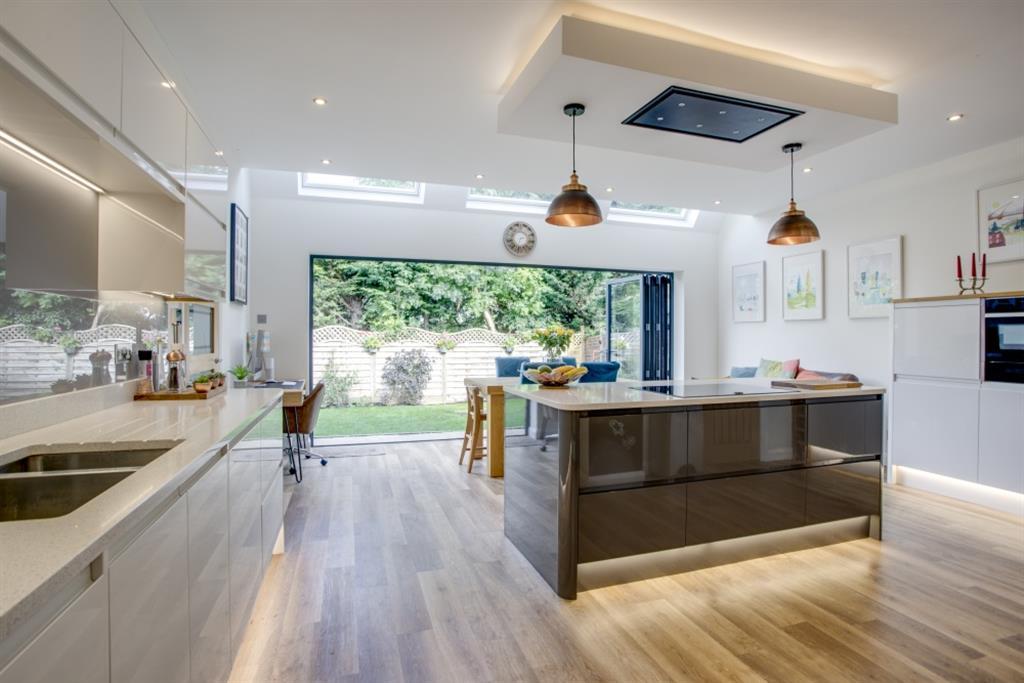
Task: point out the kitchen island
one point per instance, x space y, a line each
624 480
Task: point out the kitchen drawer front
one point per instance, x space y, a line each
718 509
935 427
631 449
843 429
272 515
245 541
631 522
1001 439
746 439
844 491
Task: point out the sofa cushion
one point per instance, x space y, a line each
743 371
778 369
821 374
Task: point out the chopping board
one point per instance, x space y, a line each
189 394
820 384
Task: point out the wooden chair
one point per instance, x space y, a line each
301 421
476 418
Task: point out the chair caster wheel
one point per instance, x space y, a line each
307 457
291 470
323 461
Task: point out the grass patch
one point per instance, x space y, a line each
370 420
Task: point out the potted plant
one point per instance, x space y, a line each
508 345
202 384
444 344
372 345
240 372
554 340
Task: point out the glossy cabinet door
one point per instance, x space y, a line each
1001 441
153 117
79 41
844 491
731 507
935 427
245 546
209 615
149 615
631 522
840 429
940 339
74 647
620 449
206 252
272 514
746 439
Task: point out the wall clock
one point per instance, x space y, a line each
519 238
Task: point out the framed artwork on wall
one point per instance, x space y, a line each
874 277
239 257
803 286
1001 221
748 293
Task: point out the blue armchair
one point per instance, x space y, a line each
601 371
508 366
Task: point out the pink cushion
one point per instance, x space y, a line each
778 369
809 374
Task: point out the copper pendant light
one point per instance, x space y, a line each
794 227
574 207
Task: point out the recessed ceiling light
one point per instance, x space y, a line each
717 202
325 162
954 117
219 152
807 169
479 176
700 125
735 132
609 189
661 118
319 101
721 111
168 84
681 104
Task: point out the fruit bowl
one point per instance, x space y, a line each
561 376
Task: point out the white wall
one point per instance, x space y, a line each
286 229
933 207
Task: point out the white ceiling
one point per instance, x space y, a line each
413 88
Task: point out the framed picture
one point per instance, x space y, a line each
239 257
803 286
1001 221
874 277
748 293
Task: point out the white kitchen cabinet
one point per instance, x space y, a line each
205 171
245 546
73 647
1001 437
149 613
79 41
940 339
206 267
153 118
935 427
209 613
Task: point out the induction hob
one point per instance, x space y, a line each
684 390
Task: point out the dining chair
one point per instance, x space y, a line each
300 421
601 371
508 366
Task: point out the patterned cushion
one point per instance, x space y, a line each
778 369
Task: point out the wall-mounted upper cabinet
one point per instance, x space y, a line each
206 246
79 41
206 170
152 116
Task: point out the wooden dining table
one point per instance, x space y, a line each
493 391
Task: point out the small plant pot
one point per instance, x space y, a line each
202 387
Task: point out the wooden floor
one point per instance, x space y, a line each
396 569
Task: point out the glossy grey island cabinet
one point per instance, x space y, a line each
614 480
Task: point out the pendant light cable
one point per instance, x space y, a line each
573 117
791 174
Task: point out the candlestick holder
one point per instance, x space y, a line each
976 286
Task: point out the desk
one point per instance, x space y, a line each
291 400
493 389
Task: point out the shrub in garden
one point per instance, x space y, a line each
337 386
405 376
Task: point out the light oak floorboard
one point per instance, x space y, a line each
396 568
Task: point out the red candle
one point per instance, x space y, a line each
959 268
974 264
984 264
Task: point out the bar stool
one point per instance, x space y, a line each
473 438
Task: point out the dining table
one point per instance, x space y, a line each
493 392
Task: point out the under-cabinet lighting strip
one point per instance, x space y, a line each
46 162
154 223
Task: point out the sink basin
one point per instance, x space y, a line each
84 460
41 496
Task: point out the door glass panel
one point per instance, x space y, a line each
625 334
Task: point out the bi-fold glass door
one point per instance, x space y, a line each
639 326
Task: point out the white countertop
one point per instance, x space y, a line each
37 557
621 394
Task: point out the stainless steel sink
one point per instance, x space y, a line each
84 460
43 495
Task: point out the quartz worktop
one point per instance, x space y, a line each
38 557
626 394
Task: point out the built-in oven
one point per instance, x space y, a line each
1004 339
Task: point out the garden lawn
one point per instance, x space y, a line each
370 420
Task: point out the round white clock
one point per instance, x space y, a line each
519 238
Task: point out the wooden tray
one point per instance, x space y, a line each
822 384
189 395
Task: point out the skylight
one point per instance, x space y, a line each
510 201
652 214
357 187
